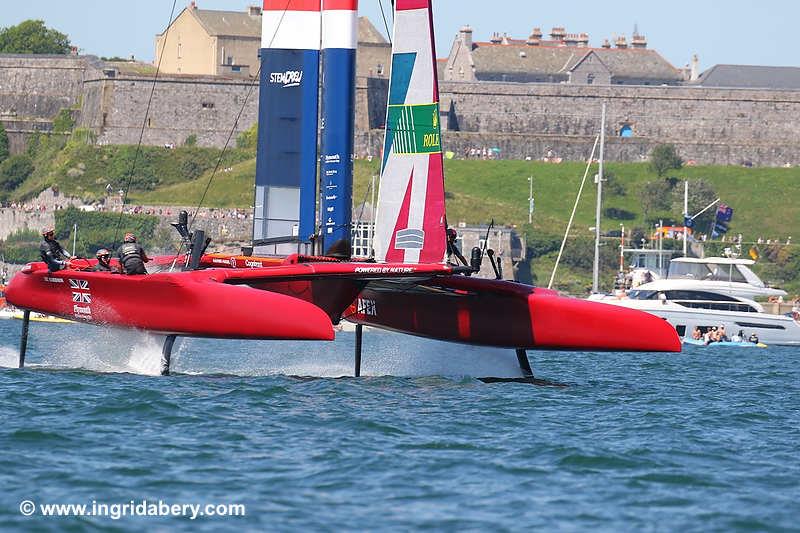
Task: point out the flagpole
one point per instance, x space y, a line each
685 214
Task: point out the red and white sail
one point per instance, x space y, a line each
410 223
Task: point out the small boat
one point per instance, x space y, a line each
720 344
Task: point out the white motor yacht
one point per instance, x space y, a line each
709 292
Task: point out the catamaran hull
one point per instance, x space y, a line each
180 303
770 329
507 314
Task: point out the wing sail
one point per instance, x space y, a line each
286 164
410 223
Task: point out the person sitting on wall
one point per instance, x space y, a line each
132 256
103 262
51 251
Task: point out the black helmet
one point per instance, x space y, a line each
103 254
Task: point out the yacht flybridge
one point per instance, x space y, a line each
724 275
708 292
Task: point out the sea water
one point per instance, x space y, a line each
704 440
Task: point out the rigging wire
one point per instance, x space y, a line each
253 83
572 216
385 23
144 124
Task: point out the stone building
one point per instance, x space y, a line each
226 43
211 43
564 58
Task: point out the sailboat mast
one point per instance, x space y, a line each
339 37
685 214
596 265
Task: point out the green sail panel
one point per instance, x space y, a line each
415 129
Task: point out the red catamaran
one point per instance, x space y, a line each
409 287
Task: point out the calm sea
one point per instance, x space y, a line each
706 440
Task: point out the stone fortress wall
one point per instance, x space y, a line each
708 125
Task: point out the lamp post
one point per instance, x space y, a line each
530 199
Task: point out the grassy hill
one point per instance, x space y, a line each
766 201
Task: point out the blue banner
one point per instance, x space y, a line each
286 162
336 142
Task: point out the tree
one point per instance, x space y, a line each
656 196
3 143
13 171
663 158
33 37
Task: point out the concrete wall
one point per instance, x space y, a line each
13 219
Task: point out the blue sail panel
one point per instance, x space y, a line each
336 160
286 184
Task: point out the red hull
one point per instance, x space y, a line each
507 314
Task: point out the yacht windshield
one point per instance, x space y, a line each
705 271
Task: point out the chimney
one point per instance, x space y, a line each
254 11
558 33
536 33
571 39
621 42
505 39
465 34
606 44
695 70
638 41
192 5
583 39
495 38
73 50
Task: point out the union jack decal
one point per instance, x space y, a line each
79 284
82 297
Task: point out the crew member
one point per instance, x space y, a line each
51 251
132 256
753 338
103 261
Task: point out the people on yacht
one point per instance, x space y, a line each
697 334
753 338
739 337
723 337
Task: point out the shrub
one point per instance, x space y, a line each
63 122
22 246
13 171
248 139
663 158
191 140
3 143
99 230
618 214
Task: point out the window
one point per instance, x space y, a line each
208 105
590 79
230 60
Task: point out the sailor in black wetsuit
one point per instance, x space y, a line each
132 256
51 251
103 261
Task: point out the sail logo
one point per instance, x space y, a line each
409 239
414 129
290 78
